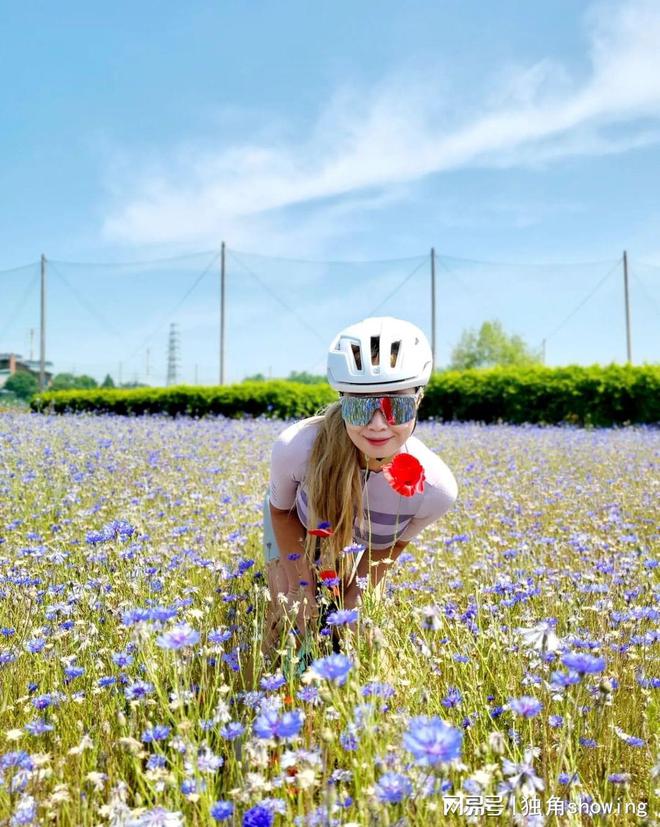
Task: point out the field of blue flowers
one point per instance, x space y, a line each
508 672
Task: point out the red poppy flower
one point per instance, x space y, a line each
323 530
330 578
405 475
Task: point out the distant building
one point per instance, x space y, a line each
11 363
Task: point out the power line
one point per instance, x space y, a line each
649 297
399 286
164 318
19 268
530 263
275 296
584 300
84 303
138 263
325 261
21 303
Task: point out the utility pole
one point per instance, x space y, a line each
432 309
42 343
625 290
222 314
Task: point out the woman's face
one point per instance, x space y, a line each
378 439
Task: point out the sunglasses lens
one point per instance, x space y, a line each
358 410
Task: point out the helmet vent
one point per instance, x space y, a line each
394 353
375 350
357 356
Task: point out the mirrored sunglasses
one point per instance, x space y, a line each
397 410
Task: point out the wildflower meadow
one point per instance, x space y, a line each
507 670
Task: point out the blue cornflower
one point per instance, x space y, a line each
219 635
333 668
555 721
157 733
38 727
525 706
73 672
583 663
308 694
452 698
269 724
222 810
178 636
25 811
46 700
354 548
106 680
258 816
35 645
377 690
392 788
232 730
564 678
342 617
432 741
156 762
138 690
122 659
272 682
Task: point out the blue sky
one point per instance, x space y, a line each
508 136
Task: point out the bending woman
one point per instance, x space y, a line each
328 490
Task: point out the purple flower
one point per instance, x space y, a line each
178 636
583 663
272 682
232 730
342 617
158 733
392 788
270 724
432 741
222 810
333 668
452 698
525 706
138 690
258 816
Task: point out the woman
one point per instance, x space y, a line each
331 484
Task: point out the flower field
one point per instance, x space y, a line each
507 673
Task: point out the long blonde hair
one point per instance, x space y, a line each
333 484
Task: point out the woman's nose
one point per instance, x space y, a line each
378 419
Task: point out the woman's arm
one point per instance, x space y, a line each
300 578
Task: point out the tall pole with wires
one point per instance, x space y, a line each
625 290
42 343
222 314
432 309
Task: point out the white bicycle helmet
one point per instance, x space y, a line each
379 354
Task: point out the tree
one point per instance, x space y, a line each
108 382
69 381
489 347
22 384
306 378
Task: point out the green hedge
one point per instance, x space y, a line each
277 399
612 395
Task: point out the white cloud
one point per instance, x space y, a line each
373 145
